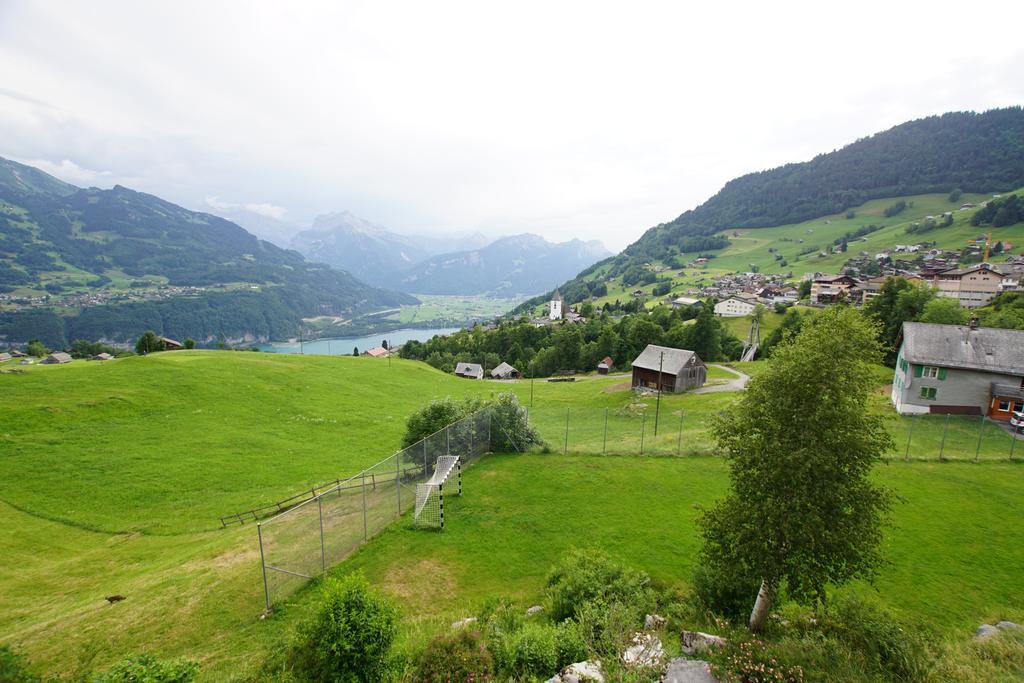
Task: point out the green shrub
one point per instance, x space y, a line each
14 668
500 616
146 668
435 416
569 644
538 650
349 638
589 576
510 428
607 628
461 658
725 591
871 630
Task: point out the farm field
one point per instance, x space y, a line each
113 476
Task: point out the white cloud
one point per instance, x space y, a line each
268 210
215 202
70 172
567 119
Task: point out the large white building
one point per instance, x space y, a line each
734 308
555 307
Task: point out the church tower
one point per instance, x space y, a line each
555 310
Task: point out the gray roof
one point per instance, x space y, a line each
674 359
502 369
58 357
474 369
989 349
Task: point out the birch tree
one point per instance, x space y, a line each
802 511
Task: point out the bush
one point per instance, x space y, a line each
146 668
500 616
724 591
460 658
607 629
539 650
350 636
869 629
510 427
752 662
588 576
435 416
14 668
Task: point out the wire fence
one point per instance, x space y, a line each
643 429
300 543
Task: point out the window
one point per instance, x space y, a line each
931 372
928 393
1004 406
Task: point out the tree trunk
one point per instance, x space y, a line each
762 606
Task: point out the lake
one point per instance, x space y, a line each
343 346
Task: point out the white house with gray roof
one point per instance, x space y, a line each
959 369
469 370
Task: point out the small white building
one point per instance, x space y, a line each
555 307
734 308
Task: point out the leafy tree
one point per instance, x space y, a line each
355 350
705 335
149 343
804 289
435 416
190 343
944 310
36 348
897 302
802 511
955 195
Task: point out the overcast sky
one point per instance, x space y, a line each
566 119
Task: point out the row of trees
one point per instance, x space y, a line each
549 350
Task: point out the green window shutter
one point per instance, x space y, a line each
917 370
942 373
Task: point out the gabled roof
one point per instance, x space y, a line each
606 362
58 357
376 352
469 369
674 359
989 349
833 278
502 369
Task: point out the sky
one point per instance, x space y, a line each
567 119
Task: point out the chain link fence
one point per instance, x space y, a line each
644 429
303 541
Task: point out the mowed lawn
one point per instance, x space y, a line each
956 553
112 477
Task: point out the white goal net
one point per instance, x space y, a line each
429 510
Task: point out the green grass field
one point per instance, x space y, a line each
112 476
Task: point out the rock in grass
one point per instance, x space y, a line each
580 672
646 650
694 642
461 623
682 670
653 622
985 631
1007 626
534 610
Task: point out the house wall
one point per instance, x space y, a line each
961 391
694 375
642 377
732 308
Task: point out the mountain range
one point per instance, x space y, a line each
113 263
458 265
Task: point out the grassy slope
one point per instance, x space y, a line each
750 245
119 470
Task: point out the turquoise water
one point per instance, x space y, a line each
343 346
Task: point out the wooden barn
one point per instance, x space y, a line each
469 370
677 369
505 371
605 365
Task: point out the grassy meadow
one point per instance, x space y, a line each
113 475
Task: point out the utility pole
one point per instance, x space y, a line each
657 410
301 351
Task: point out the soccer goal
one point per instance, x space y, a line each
429 511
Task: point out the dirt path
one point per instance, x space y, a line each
737 384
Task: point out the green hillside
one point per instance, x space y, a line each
90 263
978 154
113 474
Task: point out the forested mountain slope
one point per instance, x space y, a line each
111 263
968 151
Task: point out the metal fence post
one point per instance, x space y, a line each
425 456
448 440
323 552
981 434
643 428
679 444
263 566
565 446
398 481
604 446
1013 440
910 435
363 479
942 444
